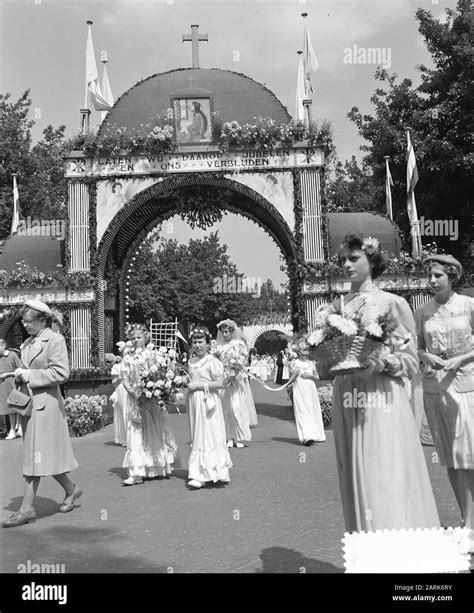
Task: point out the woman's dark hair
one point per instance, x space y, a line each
48 319
200 332
376 259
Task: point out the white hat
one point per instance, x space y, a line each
39 306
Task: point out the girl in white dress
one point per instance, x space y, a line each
308 416
119 401
230 343
445 330
151 448
209 459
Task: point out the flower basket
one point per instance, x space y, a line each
344 354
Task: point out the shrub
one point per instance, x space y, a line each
85 413
325 399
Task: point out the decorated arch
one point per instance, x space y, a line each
253 332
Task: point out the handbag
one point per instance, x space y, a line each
19 402
209 399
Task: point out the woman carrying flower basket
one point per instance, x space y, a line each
232 351
151 448
445 327
383 477
209 460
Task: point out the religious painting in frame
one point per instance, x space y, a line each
192 120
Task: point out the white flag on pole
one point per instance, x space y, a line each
106 90
310 60
388 191
92 78
16 207
412 180
300 91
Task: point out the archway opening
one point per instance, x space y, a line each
201 204
271 342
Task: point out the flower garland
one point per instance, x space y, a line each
26 276
158 136
154 137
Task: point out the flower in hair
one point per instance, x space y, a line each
370 245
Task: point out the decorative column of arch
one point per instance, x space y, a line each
141 214
80 257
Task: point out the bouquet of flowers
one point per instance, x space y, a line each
234 358
156 375
290 354
216 350
342 343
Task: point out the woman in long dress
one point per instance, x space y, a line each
232 351
119 402
151 448
383 476
209 460
308 416
445 327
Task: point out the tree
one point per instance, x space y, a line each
41 183
15 143
440 113
190 282
352 188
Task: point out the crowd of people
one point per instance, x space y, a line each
383 476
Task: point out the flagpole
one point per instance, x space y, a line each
16 206
304 15
388 193
299 106
104 62
307 100
416 246
89 23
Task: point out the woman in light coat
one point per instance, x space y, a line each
47 449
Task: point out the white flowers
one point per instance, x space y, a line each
321 315
316 337
374 329
370 244
153 373
348 327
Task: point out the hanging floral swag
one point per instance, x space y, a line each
158 136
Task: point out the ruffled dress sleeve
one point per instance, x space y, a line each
216 369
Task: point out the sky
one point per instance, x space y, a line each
42 48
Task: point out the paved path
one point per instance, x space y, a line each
280 513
